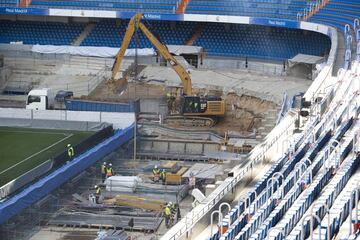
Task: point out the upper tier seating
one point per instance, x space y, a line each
39 33
217 39
108 33
256 8
236 40
9 2
338 13
259 41
153 6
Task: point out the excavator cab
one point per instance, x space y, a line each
208 106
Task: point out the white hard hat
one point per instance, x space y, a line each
155 166
69 145
170 203
104 163
110 164
95 186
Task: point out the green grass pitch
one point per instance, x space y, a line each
22 149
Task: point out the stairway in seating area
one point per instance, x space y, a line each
182 6
87 29
195 34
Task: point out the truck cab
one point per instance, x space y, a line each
40 99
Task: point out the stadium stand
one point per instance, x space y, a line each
256 41
9 2
110 33
337 13
39 32
257 8
284 203
260 42
149 6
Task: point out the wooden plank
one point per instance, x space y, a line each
136 202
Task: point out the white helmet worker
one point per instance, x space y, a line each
104 163
156 166
69 145
110 164
95 186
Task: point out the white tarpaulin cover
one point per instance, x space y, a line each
110 52
90 51
183 49
308 59
122 183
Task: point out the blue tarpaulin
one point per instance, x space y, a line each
44 186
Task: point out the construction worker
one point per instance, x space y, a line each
156 173
103 171
167 213
170 102
163 176
109 171
97 193
70 151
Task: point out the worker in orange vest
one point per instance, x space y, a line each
109 171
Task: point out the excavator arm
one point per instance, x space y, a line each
135 24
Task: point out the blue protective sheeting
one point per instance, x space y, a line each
47 184
81 105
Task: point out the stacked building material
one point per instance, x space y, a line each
82 219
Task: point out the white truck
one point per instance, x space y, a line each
42 99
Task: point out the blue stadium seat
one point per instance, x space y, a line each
236 40
39 33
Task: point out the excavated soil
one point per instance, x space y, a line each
244 113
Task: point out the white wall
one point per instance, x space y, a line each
119 120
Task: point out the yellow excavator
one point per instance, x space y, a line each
194 110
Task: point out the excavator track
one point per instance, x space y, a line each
189 121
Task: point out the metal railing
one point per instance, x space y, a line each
192 218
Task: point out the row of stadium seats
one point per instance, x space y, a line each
110 33
268 8
259 41
317 188
338 13
155 6
39 33
285 213
236 40
9 2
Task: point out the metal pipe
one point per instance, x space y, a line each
312 216
220 208
211 220
347 29
282 145
277 175
238 213
308 160
350 212
356 24
272 187
328 216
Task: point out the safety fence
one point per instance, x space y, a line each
24 179
44 186
118 120
84 145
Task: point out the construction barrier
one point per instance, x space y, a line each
44 186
